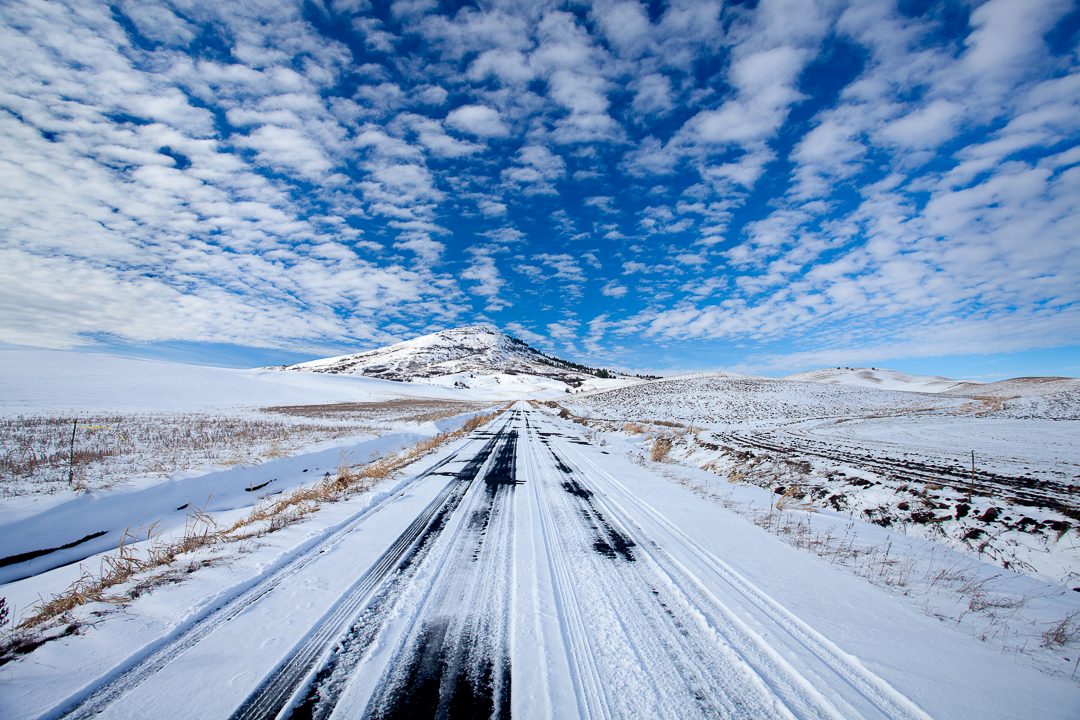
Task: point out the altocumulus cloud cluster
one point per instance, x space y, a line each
807 182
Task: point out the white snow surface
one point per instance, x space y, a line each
884 379
1020 387
897 458
731 399
58 381
553 565
581 584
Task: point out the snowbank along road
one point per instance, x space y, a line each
515 577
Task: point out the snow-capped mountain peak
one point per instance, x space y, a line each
474 356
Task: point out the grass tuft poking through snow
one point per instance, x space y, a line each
660 448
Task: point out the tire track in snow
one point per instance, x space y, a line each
646 650
454 659
1044 493
425 630
93 700
326 657
834 668
405 554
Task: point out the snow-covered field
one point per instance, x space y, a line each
880 379
75 423
994 478
36 381
897 468
714 545
97 449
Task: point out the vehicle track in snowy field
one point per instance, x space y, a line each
534 584
1042 493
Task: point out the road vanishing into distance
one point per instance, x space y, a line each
515 577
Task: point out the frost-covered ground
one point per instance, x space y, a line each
559 574
95 449
58 453
901 461
994 478
753 547
749 401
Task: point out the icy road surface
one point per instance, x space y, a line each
520 579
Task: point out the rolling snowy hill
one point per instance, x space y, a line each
879 378
883 379
469 357
1018 387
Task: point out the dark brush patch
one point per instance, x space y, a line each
615 545
23 557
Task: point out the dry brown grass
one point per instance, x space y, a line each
36 455
413 410
203 531
1061 633
660 448
36 451
966 597
795 498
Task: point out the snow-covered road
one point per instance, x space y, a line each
518 576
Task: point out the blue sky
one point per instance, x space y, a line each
756 186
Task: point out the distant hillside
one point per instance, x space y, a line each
474 356
1018 387
877 378
895 380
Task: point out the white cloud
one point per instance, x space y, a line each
505 235
602 202
626 26
523 333
375 37
614 289
287 149
431 135
159 23
564 330
926 127
478 120
425 248
537 168
431 95
766 92
489 281
565 266
653 95
696 259
509 66
274 226
491 208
